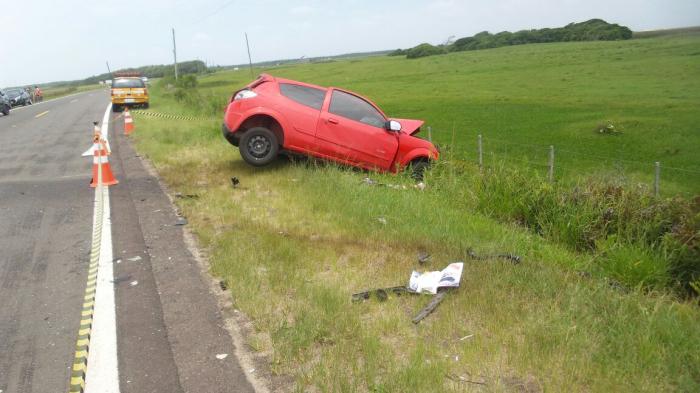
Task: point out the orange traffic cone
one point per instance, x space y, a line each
100 165
128 122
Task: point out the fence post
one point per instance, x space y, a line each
481 153
430 134
551 163
657 175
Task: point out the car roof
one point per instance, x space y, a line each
283 80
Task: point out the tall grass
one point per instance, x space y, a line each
594 305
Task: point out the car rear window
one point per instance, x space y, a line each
304 95
126 83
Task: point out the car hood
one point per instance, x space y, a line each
410 126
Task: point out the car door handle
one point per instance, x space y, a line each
332 120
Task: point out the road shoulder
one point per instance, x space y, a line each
191 313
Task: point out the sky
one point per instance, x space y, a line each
49 40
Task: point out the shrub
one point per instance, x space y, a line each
424 50
634 237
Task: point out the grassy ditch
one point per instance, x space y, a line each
592 307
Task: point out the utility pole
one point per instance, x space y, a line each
175 53
250 61
108 70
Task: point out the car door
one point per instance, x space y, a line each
351 130
301 107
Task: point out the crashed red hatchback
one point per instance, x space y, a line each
273 115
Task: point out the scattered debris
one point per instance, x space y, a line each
382 220
180 221
430 281
252 370
223 285
430 307
235 182
423 257
466 337
515 259
186 196
221 356
120 279
381 294
134 283
156 211
459 378
371 182
134 259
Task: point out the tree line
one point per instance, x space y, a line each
155 71
591 30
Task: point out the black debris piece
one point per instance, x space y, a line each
223 285
514 259
381 294
235 182
423 257
430 307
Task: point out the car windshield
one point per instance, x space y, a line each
126 83
13 93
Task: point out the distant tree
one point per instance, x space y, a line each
590 30
424 50
398 52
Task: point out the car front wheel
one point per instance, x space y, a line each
258 146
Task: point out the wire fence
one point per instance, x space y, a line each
564 163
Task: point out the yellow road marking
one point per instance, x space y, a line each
41 114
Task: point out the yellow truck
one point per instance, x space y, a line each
128 91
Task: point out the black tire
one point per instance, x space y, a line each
116 108
6 110
259 146
418 169
145 106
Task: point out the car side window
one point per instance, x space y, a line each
355 108
304 95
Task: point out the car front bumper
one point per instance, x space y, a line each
129 100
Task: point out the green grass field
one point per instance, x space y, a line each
523 99
60 91
294 241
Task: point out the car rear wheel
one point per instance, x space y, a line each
259 146
116 108
6 110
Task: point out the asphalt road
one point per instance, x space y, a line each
168 325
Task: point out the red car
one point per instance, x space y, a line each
271 115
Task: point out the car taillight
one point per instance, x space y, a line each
145 91
244 94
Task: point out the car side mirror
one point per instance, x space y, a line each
393 125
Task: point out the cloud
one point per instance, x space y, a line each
303 10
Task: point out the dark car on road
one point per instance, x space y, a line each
4 104
18 97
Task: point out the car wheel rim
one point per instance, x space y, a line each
259 146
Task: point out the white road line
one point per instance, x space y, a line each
102 371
